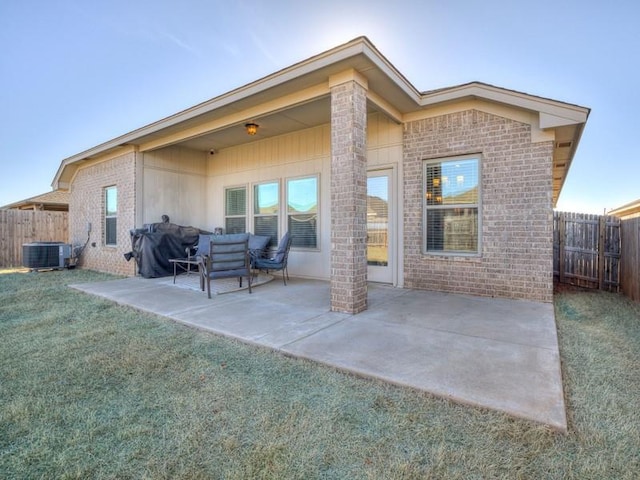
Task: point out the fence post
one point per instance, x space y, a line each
561 241
602 225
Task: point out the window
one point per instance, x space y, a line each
302 211
266 205
235 210
110 215
451 205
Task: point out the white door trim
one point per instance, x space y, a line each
387 274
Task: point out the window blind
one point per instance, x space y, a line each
451 204
302 211
236 201
266 205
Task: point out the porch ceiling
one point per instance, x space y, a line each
311 114
304 93
299 117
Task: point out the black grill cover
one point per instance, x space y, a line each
153 246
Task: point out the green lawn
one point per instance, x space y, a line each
89 389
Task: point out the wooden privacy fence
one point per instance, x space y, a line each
25 226
630 265
587 250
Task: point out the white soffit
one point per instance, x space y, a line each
552 121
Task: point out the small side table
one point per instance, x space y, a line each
184 264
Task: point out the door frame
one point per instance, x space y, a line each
390 273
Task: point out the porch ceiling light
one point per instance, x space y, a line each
252 128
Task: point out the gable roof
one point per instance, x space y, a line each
57 200
298 97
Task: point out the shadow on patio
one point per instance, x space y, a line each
495 353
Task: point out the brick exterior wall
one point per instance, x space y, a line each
348 198
516 208
87 204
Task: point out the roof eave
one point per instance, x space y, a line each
627 209
552 112
351 49
579 129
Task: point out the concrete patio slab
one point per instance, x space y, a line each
494 353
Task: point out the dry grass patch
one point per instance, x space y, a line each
89 389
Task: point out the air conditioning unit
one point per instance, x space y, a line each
44 255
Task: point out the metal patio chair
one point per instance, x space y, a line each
228 257
277 261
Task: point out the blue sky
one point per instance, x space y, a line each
74 73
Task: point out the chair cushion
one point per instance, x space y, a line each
268 264
239 272
282 249
258 242
229 238
228 244
228 251
203 244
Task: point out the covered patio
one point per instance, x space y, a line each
494 353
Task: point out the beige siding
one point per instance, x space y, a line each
382 132
279 158
174 183
303 153
189 186
384 142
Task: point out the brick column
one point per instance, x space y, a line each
349 195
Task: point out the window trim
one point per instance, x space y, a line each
246 205
107 217
283 210
425 208
285 206
255 215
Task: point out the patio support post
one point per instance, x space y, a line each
348 192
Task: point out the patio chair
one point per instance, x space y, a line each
257 246
228 257
278 261
199 249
